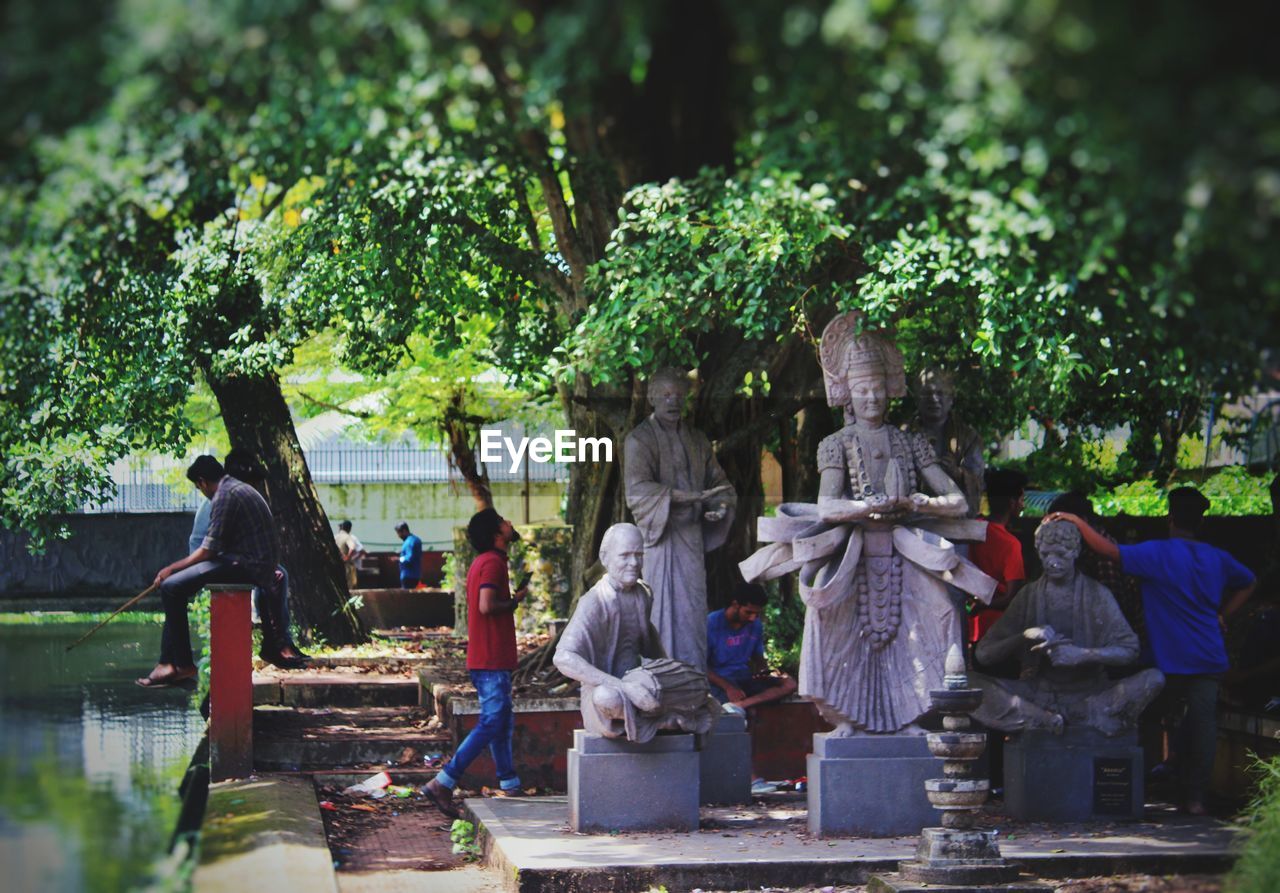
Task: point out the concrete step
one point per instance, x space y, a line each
328 688
334 738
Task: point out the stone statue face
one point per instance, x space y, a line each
624 559
667 398
868 397
934 398
1059 558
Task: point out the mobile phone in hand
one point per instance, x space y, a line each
524 580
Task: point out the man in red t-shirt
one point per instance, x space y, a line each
491 656
1000 556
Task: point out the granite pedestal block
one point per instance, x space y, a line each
725 762
1073 777
618 785
870 785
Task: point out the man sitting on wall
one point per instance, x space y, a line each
736 666
239 547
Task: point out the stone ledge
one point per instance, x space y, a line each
261 828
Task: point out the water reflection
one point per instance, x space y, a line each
89 762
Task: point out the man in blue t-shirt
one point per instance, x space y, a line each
410 557
1187 588
736 667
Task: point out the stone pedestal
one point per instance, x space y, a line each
870 785
725 762
1077 776
618 785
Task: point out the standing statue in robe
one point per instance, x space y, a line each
683 504
957 446
873 554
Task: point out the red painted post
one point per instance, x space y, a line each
230 682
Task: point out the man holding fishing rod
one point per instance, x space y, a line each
239 547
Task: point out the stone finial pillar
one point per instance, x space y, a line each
957 853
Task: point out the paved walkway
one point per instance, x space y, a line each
471 879
767 844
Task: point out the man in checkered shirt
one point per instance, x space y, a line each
240 547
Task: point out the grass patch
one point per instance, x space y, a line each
51 618
1258 868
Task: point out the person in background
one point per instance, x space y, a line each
736 666
491 658
278 647
1000 555
352 550
410 557
1188 587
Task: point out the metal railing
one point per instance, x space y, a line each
161 485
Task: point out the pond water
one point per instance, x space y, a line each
89 762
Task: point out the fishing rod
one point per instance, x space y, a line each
130 603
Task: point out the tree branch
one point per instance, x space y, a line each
334 407
530 264
767 420
537 148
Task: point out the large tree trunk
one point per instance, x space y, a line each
258 420
459 429
595 499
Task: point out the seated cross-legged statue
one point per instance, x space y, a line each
630 688
1066 629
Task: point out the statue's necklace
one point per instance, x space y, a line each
876 441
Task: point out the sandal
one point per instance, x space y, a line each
170 681
445 805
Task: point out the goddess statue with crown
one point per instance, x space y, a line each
875 553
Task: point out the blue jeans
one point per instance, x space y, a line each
494 730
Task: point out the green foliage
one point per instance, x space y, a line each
1257 870
783 630
695 256
463 835
1069 202
1232 491
544 552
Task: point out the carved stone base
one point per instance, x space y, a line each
725 762
617 785
1074 777
947 856
870 785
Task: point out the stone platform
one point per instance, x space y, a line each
623 785
1078 776
529 843
870 785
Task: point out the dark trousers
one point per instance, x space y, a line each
1196 740
177 591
